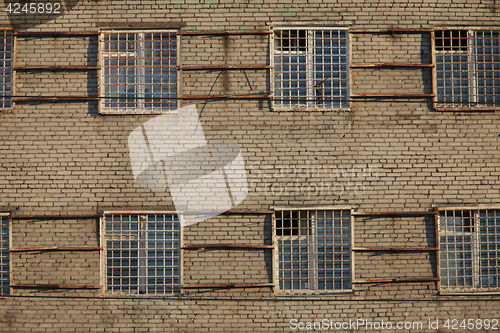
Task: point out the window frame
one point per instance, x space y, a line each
472 90
309 104
104 267
276 260
12 71
473 231
101 77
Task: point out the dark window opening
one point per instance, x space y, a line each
450 40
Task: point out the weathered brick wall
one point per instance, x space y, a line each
381 155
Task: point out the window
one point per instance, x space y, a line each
469 250
4 256
467 69
6 68
139 72
142 253
311 69
313 250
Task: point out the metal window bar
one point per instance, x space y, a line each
313 250
4 256
142 253
138 72
467 69
311 69
469 250
6 68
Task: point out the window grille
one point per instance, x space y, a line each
6 68
467 67
139 72
4 257
311 69
142 253
469 250
314 249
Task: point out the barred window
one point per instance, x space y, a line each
467 68
6 68
313 250
142 253
4 256
469 250
311 69
139 72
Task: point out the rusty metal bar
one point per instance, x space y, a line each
425 279
433 73
56 248
224 97
55 67
11 257
387 64
438 260
486 109
55 33
28 217
392 95
248 211
464 27
467 109
223 32
395 213
54 99
236 246
227 285
390 31
223 67
468 207
376 248
55 286
274 256
14 64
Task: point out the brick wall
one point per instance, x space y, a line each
382 155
